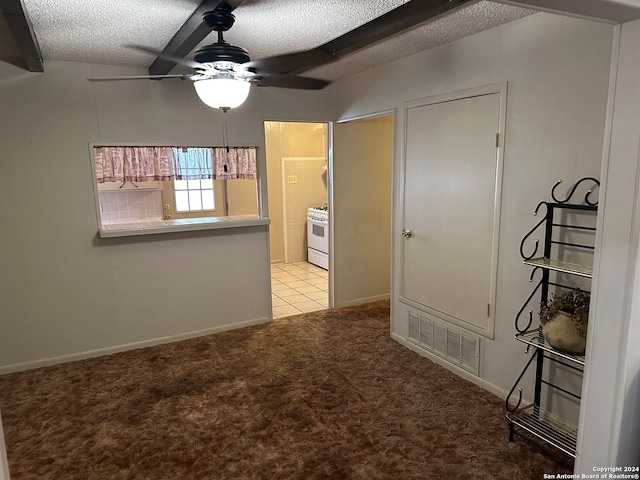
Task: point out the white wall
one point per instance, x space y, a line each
557 70
64 290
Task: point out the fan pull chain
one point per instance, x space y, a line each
225 138
226 134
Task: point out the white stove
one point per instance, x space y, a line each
318 236
319 214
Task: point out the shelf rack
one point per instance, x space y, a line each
532 422
547 427
535 338
560 266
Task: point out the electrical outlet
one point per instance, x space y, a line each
292 179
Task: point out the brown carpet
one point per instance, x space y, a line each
325 395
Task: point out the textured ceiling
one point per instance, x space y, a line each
461 23
97 32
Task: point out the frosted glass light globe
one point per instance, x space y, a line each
222 92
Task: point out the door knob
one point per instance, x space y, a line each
406 233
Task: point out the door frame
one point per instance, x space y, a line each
383 113
397 265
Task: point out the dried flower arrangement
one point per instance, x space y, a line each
568 306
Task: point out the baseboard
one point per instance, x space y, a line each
490 387
362 301
17 367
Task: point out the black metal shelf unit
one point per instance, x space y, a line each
532 422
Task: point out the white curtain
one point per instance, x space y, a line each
192 163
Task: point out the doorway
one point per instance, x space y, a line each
297 180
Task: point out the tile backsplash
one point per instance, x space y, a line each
130 205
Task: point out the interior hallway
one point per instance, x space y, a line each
298 288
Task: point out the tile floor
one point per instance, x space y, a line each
298 288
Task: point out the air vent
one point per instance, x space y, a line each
439 339
454 342
426 332
458 347
414 327
470 353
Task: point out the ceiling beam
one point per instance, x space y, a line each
22 31
188 37
405 16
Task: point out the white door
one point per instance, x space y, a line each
451 201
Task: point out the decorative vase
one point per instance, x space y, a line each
562 332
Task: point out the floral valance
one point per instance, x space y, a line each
133 164
141 164
234 162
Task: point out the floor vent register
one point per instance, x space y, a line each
456 346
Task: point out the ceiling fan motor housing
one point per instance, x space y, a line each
220 20
221 52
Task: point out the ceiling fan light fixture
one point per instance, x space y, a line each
222 92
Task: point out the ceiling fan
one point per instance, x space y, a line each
223 73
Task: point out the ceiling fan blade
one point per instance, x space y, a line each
289 81
141 77
182 61
289 62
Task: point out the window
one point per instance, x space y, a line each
194 195
212 181
155 183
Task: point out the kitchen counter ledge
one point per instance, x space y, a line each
155 226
